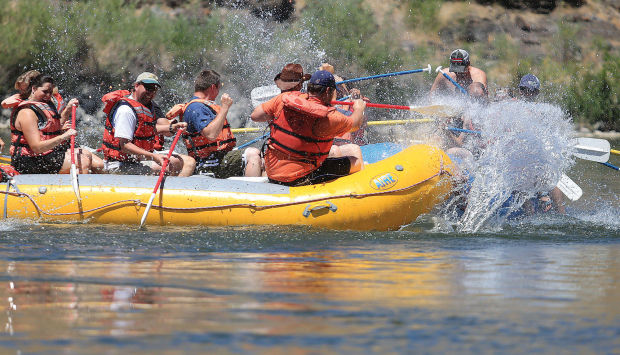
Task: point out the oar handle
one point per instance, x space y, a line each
613 151
611 166
427 69
438 70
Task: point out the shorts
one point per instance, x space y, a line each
332 168
222 165
43 164
143 167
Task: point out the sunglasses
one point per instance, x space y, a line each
150 87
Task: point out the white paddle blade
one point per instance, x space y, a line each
263 94
569 188
592 149
74 182
146 210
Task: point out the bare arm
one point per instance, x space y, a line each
27 123
259 115
141 154
358 114
214 127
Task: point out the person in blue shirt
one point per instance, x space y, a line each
209 138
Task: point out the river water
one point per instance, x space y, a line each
546 284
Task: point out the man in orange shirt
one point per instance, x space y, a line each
303 127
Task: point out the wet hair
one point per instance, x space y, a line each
25 78
39 81
205 79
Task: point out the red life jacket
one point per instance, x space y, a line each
198 146
144 135
291 131
7 171
48 124
58 101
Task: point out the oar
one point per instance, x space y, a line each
611 166
74 174
5 159
438 70
252 141
434 110
592 149
454 129
569 188
613 151
261 94
427 69
161 176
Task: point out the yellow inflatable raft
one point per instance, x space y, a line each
384 196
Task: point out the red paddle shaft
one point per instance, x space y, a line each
73 109
368 104
165 164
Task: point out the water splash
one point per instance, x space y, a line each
523 149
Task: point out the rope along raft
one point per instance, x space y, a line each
40 211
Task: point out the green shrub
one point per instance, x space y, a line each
594 96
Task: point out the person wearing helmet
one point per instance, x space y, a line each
461 71
529 87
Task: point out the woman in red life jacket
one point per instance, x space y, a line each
303 127
22 85
40 135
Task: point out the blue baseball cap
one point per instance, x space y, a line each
323 78
530 82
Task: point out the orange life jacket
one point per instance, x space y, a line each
144 135
198 146
291 131
48 124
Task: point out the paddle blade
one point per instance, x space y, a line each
146 210
74 183
263 94
592 149
569 188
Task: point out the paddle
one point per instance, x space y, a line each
427 69
252 141
434 110
371 123
592 149
613 151
438 70
74 177
262 94
161 176
569 188
611 166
